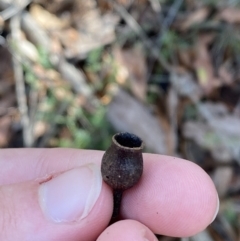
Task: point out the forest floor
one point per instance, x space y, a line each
73 72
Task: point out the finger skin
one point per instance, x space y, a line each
127 230
19 165
21 217
174 197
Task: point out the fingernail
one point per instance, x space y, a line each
71 195
217 209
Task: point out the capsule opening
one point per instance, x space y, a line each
128 140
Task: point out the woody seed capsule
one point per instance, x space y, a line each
122 165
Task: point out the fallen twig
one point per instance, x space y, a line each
20 86
155 5
14 9
167 22
132 23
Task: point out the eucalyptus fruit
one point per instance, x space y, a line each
122 166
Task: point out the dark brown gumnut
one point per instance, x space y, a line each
122 166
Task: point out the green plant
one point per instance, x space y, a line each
93 60
44 58
171 42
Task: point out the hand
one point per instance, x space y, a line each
58 195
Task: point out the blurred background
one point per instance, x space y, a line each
74 72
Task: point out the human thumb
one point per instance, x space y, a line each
74 205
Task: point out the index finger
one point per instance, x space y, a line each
174 197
